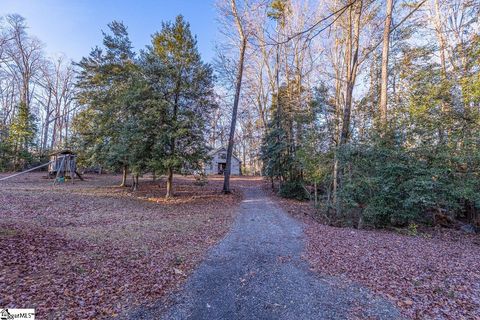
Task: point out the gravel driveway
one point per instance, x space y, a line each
256 272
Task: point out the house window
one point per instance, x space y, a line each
223 156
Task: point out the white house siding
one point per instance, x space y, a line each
219 157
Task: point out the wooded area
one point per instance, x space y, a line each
370 106
374 104
354 129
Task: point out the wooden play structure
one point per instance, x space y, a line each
63 164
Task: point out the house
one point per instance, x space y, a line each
218 162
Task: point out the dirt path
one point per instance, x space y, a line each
256 272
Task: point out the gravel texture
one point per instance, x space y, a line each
257 272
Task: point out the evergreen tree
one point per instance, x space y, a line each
279 151
22 135
183 99
110 129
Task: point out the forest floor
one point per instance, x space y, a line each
92 249
433 274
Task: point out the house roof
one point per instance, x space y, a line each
215 151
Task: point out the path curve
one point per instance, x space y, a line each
256 272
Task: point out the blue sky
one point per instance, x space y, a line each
74 27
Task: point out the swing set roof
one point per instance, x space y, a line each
63 151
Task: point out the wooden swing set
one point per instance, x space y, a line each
62 165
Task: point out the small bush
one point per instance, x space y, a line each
294 190
200 179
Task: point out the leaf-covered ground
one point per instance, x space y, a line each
92 249
433 275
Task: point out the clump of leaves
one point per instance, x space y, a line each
6 232
411 230
427 278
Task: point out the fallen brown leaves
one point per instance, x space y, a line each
437 278
434 275
93 250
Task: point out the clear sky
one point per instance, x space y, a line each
74 27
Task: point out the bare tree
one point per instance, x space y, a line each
385 52
26 54
44 85
56 101
352 64
240 23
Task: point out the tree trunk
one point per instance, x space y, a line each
443 62
335 178
440 37
54 133
244 170
337 120
352 67
173 142
135 182
351 57
345 134
385 53
124 176
46 125
361 222
169 184
226 181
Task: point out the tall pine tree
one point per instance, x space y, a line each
182 86
22 135
110 128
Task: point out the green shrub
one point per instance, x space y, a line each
293 190
396 186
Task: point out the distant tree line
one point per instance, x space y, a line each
36 97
